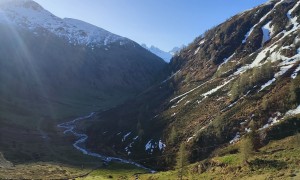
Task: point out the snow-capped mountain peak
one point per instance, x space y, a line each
176 50
30 15
166 56
160 53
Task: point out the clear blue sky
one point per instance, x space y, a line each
163 23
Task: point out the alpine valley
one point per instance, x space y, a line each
80 102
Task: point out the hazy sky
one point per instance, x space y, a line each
162 23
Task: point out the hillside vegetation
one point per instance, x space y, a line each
228 107
240 74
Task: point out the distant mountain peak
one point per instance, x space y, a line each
22 3
32 16
166 56
176 50
160 53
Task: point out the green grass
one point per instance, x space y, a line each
278 160
114 171
42 170
232 159
54 170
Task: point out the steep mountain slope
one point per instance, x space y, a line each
67 55
241 71
52 68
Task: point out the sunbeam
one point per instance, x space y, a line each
26 62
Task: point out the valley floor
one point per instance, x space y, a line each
47 153
278 160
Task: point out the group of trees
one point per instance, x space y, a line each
248 146
295 90
251 78
288 97
251 141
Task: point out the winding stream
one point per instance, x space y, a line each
70 127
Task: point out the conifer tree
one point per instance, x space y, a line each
173 136
182 161
250 143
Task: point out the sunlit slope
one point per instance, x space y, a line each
243 70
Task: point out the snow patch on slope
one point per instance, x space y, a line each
272 121
161 145
235 139
188 92
293 111
151 145
226 60
205 95
294 75
267 84
174 74
247 35
197 50
125 137
267 33
289 14
262 19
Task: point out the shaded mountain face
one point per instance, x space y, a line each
243 70
56 67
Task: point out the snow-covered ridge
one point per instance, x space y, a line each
32 16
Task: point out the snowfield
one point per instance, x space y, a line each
267 33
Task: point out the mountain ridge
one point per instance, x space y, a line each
31 15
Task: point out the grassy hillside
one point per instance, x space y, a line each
277 160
